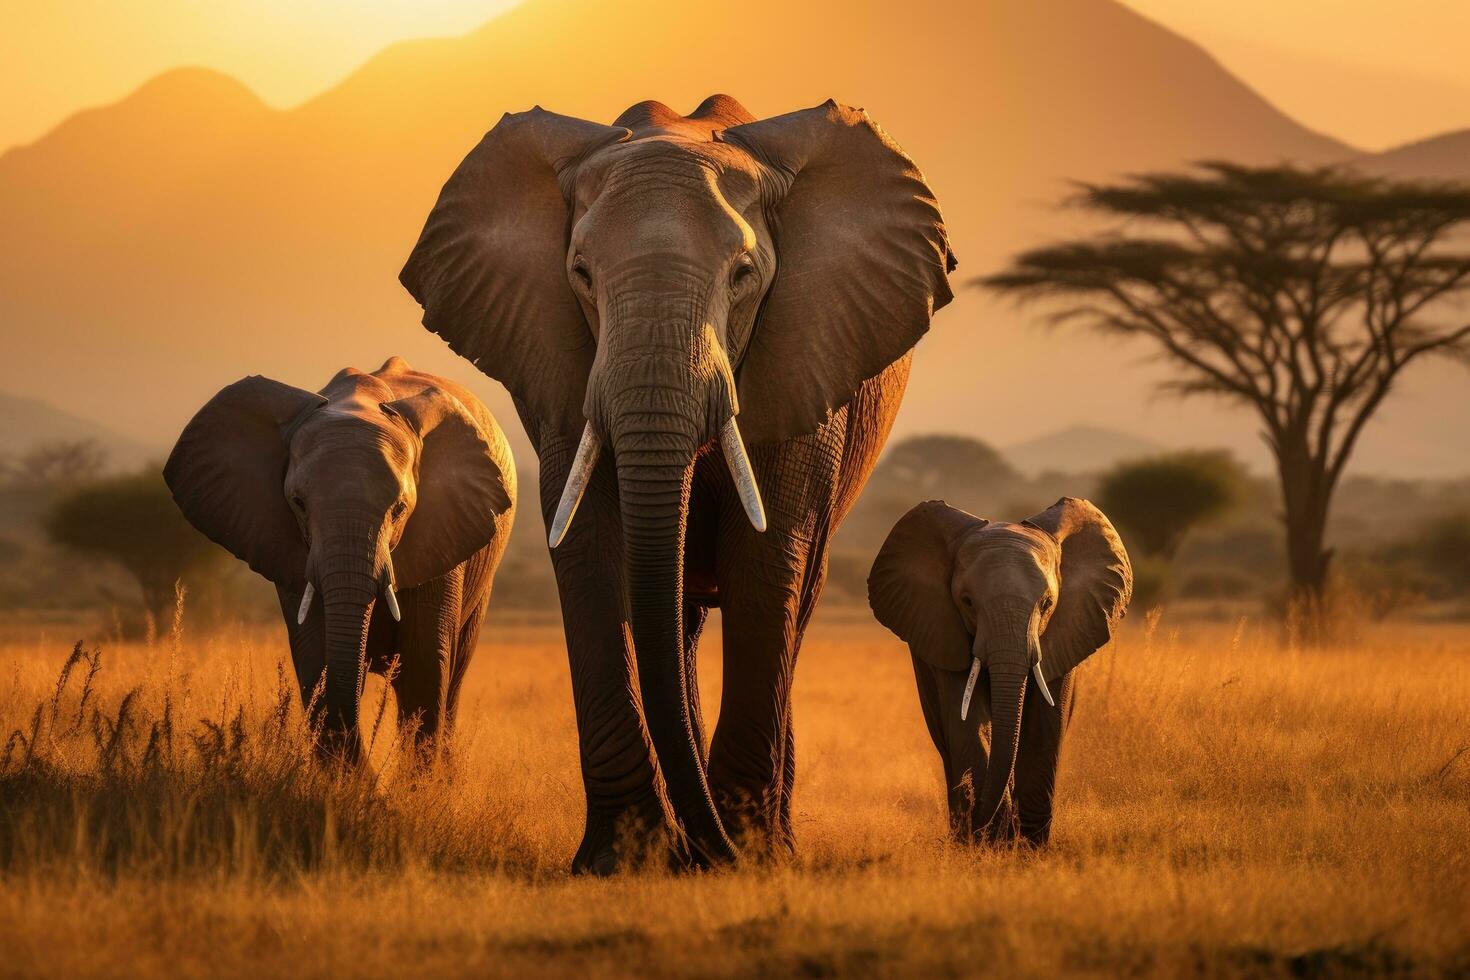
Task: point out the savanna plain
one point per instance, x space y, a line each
1230 803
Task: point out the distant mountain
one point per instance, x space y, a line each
26 423
188 235
1443 156
1080 449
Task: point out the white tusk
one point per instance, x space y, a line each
969 689
744 476
1041 683
582 466
305 604
392 600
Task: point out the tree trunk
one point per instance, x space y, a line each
1306 499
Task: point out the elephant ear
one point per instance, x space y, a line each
227 473
489 268
1096 582
909 586
862 264
461 488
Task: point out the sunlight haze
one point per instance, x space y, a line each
285 50
1334 64
1330 64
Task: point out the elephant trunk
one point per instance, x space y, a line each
350 561
655 467
1009 658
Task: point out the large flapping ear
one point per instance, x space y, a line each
909 586
489 268
461 488
227 473
862 263
1096 582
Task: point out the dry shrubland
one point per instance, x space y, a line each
1228 804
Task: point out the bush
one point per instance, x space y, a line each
1156 502
132 520
1218 583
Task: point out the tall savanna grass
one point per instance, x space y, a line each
1229 803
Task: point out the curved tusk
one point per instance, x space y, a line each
305 604
1041 683
743 475
392 599
582 466
969 689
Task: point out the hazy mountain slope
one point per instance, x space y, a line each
26 423
159 248
1080 449
1443 156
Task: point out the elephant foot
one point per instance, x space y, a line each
625 841
755 826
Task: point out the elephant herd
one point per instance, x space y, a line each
638 288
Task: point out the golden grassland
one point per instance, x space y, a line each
1228 805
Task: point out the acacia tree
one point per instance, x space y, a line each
1302 293
133 521
943 463
1157 501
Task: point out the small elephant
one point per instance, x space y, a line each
396 485
1012 609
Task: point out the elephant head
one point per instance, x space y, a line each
642 284
351 497
1037 598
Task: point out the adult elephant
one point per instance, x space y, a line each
636 287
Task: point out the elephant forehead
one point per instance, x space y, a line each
999 543
342 439
671 165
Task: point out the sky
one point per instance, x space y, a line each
1373 73
57 56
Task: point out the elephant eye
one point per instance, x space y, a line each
298 505
398 509
579 267
1046 603
743 272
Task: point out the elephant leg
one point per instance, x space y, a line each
760 610
427 637
811 593
464 650
1042 729
627 817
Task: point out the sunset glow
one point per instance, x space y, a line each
65 55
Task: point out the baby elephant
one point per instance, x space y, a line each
1009 609
395 485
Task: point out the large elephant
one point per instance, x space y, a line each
1011 609
635 287
395 484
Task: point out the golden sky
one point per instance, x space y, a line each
57 56
1371 72
1375 73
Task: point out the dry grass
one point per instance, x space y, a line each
1227 806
